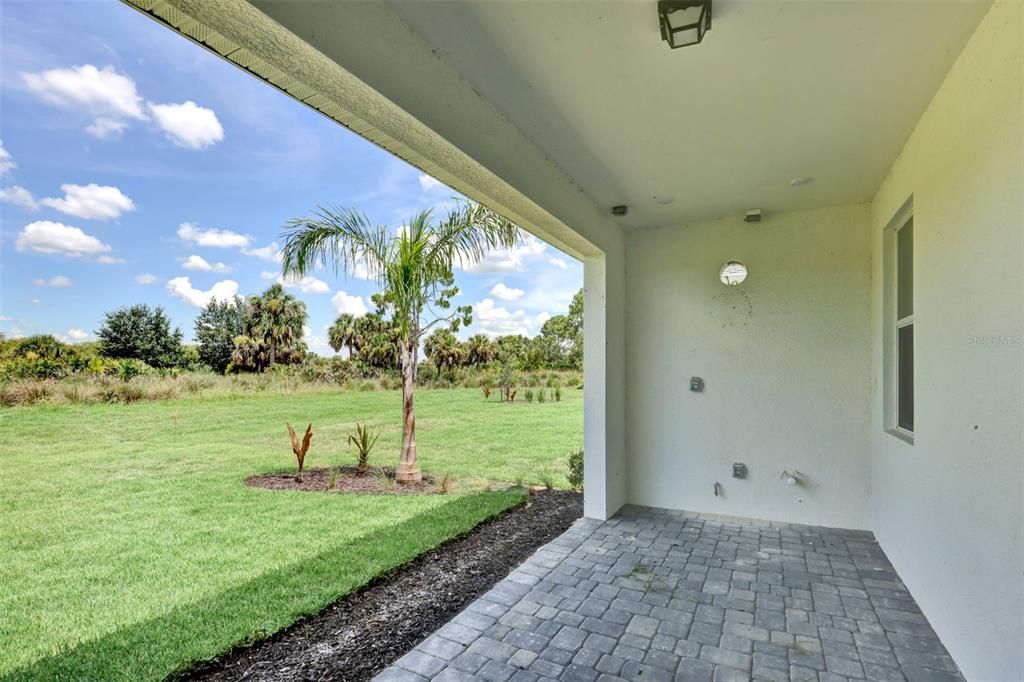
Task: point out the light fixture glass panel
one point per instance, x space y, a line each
685 16
733 273
687 36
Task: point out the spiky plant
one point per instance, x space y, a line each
363 440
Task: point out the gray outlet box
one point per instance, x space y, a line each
696 384
739 470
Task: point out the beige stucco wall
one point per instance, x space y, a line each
949 509
785 358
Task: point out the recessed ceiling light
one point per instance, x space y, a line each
799 182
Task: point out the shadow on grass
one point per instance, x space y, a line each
173 642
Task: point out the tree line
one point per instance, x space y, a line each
254 333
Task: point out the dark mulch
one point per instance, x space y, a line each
362 633
347 479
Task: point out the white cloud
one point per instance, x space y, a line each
541 319
353 305
92 201
57 281
494 320
110 96
270 252
506 293
559 263
109 260
188 124
316 343
102 91
146 279
307 285
181 287
19 196
502 261
223 239
6 162
76 335
45 236
429 184
104 127
268 275
195 262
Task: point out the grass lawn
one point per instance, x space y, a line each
130 546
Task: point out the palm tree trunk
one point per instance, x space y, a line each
408 468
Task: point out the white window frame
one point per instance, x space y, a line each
892 324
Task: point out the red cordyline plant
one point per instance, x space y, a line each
300 448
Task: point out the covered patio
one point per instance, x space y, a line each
863 163
655 594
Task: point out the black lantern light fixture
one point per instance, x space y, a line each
684 22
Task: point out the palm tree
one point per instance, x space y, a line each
413 266
344 334
480 350
444 350
277 319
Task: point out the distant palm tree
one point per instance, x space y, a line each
344 334
413 266
480 350
444 350
277 319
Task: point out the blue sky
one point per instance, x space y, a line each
136 167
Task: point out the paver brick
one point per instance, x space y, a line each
733 659
421 663
716 599
440 647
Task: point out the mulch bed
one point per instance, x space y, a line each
365 631
347 479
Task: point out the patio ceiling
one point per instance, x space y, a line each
778 90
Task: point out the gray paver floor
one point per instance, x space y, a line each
658 595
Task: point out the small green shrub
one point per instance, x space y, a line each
528 395
129 369
558 394
165 391
576 470
384 479
77 394
130 393
444 484
24 393
194 385
547 480
363 439
541 396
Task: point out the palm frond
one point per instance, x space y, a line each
469 232
335 238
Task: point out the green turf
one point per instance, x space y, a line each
130 546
